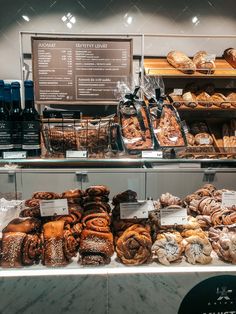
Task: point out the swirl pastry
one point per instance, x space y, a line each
97 206
46 195
71 194
31 251
97 190
33 202
168 247
12 243
125 197
168 199
53 244
76 231
70 244
98 222
25 225
197 250
134 246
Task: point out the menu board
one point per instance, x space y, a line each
74 70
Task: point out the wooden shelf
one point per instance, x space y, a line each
160 66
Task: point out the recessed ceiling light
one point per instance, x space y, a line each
26 18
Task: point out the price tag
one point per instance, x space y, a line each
152 154
76 154
136 210
54 207
173 216
178 91
204 141
14 155
210 58
228 199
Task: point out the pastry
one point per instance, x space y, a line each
53 244
31 212
202 64
230 56
181 61
46 195
12 243
197 250
168 247
25 225
71 194
33 202
204 99
126 196
31 250
190 100
97 190
133 247
70 244
168 199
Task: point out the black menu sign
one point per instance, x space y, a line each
72 70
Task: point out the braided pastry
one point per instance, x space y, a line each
223 216
204 221
168 247
134 245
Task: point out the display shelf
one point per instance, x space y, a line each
160 66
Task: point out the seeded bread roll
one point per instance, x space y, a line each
181 61
230 56
201 63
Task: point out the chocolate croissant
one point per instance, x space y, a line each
134 246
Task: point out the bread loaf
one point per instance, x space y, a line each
190 100
231 98
180 61
202 64
204 99
220 100
230 56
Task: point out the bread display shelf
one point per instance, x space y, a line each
160 66
205 108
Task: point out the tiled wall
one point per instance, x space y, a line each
111 16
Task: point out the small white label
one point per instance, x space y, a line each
76 154
54 207
228 199
14 155
152 154
173 216
178 91
136 210
204 141
210 58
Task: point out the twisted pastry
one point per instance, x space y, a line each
98 190
223 216
134 245
25 225
32 250
46 195
197 250
224 244
204 221
168 247
168 199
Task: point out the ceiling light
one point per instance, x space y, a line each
69 25
129 19
195 20
64 18
68 19
26 18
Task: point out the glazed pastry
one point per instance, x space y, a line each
97 190
202 65
180 61
168 247
71 194
190 100
33 202
134 246
168 131
53 244
204 99
12 243
230 56
168 199
46 195
25 225
197 250
31 249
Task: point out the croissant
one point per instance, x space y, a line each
134 246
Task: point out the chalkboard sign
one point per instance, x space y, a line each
74 70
